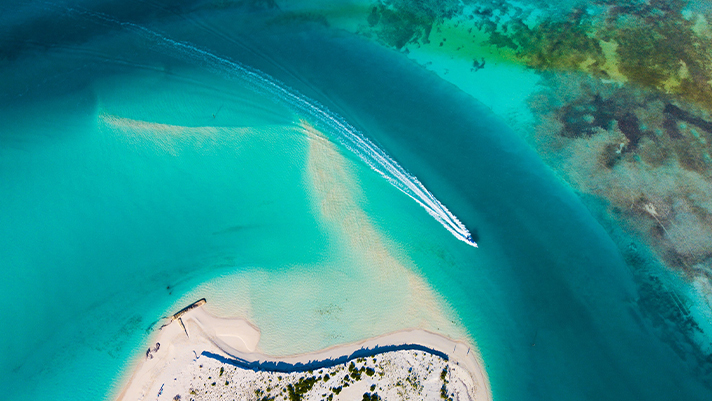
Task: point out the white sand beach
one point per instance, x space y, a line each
182 347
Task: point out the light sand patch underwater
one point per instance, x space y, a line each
172 139
363 286
389 280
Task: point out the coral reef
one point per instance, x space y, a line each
645 155
645 152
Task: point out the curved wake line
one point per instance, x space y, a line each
347 135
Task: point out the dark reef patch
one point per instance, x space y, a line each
400 22
670 126
581 117
630 127
684 115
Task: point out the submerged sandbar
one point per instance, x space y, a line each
198 356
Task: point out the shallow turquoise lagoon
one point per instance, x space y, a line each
141 168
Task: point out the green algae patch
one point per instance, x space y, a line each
563 45
659 48
652 45
657 44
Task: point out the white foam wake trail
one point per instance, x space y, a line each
344 132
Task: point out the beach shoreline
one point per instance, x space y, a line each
234 341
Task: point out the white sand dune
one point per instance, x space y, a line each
182 341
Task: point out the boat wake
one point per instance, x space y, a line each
330 122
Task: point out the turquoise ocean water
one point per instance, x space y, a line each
137 173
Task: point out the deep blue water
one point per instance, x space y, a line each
547 297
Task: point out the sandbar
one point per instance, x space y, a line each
195 334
